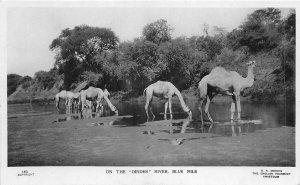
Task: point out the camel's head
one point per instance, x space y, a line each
188 110
115 110
106 93
251 63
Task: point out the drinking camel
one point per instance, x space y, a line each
95 93
99 106
164 90
221 81
65 95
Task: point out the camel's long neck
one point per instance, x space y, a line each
182 103
250 77
113 108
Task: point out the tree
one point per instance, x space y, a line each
219 31
182 62
12 83
158 31
234 38
76 48
45 79
25 81
260 32
205 29
141 64
212 46
290 25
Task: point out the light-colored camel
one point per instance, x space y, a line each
76 100
164 90
90 104
65 95
221 81
93 93
99 106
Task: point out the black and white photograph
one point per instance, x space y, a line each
143 91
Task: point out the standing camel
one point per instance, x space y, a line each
221 81
95 93
65 95
164 90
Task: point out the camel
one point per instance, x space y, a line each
99 106
221 81
95 93
166 90
65 95
76 100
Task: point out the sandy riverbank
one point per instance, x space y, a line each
42 141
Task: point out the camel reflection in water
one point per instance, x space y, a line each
90 111
233 129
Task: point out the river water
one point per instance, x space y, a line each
38 136
273 114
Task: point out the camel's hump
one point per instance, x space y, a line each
162 82
218 69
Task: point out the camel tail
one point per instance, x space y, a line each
202 87
144 93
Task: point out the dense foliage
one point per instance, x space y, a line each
13 80
94 55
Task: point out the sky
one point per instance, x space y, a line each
30 30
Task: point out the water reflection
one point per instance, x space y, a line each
182 132
272 114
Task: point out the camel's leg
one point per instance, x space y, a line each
83 103
166 109
146 109
238 101
233 104
97 106
207 109
101 108
148 101
201 114
238 105
57 104
208 100
171 115
70 104
66 104
232 109
150 108
170 108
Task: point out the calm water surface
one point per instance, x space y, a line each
53 141
273 114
